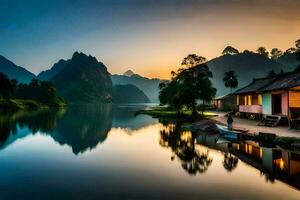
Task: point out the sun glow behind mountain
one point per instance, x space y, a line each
151 36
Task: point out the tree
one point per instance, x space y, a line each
6 87
192 60
290 50
186 87
297 44
276 53
229 50
169 94
230 80
195 84
263 51
247 51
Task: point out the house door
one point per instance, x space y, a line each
276 104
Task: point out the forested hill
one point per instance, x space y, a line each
83 79
247 66
129 94
147 85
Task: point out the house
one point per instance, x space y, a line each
249 99
274 98
225 102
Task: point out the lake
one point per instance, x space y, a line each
105 152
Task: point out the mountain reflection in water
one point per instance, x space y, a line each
80 127
109 153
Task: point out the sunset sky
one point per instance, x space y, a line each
148 36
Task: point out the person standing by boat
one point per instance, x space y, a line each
229 122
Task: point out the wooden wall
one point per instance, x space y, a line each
294 97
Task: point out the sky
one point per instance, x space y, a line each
150 37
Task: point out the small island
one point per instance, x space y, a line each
35 95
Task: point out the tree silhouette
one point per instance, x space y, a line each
290 50
230 81
192 60
229 50
6 87
275 53
263 51
170 94
297 44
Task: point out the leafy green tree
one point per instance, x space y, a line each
192 60
263 51
276 53
195 84
169 94
229 50
187 86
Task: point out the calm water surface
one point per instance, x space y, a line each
104 152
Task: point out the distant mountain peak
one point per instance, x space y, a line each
129 73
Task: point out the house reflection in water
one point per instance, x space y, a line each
274 162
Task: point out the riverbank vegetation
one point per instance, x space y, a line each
35 95
188 86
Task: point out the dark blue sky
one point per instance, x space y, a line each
150 37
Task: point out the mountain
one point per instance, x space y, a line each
246 65
129 94
148 86
15 72
50 73
128 73
289 59
81 79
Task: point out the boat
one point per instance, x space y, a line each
228 134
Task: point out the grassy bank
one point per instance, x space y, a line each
166 112
22 104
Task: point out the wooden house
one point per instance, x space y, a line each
273 98
225 103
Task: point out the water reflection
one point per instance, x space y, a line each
182 144
272 161
80 127
83 127
21 124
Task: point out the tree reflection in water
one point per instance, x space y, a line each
230 161
182 144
